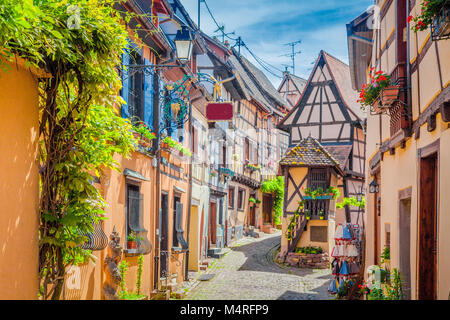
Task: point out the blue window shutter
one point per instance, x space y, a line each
148 96
125 84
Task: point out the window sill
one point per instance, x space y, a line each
133 252
178 250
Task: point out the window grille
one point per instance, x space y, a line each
135 203
136 88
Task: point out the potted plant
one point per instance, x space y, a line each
433 12
386 257
132 240
334 192
321 214
254 167
370 93
307 215
308 193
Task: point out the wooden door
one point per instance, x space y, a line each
212 223
164 226
427 228
405 245
252 216
267 209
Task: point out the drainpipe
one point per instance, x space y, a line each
186 258
408 67
157 142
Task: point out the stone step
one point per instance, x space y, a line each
169 287
214 251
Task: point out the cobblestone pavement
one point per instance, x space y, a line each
248 272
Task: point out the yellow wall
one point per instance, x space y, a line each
399 171
336 216
19 184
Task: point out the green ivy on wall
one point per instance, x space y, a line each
275 187
79 44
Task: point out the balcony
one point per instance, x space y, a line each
316 208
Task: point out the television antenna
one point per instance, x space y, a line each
293 53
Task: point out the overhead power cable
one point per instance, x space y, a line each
265 65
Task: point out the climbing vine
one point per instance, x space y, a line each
276 187
352 202
79 44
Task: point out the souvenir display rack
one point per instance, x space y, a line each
347 257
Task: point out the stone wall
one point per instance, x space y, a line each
303 260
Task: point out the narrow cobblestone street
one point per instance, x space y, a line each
248 272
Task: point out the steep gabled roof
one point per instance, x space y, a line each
341 74
257 84
309 153
265 83
248 83
298 82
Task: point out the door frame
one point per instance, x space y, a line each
212 223
431 150
165 223
405 195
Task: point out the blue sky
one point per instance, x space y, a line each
266 26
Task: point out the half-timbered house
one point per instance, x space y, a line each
408 140
312 221
291 88
328 111
257 144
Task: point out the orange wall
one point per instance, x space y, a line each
19 184
113 187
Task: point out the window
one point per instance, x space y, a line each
318 179
247 149
176 222
241 194
231 198
136 88
134 209
194 141
224 154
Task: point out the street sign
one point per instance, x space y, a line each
219 111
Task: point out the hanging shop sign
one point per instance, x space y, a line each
219 111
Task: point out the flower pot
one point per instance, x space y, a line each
132 245
390 94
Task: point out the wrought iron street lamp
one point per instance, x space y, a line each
373 187
183 44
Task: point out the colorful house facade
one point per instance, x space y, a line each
407 143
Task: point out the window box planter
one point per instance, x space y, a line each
389 95
323 197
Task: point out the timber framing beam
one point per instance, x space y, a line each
440 105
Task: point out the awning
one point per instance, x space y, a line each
134 175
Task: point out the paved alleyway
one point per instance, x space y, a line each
248 272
